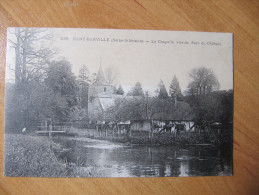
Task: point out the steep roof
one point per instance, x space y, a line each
182 111
100 79
106 102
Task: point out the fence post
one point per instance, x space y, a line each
113 131
96 129
50 129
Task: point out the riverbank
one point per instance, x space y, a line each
156 139
38 156
31 156
63 156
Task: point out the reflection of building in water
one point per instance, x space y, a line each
168 170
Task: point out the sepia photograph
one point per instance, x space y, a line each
118 103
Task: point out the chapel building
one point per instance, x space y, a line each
100 96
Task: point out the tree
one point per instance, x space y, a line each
136 90
31 54
215 107
203 97
28 107
61 79
162 93
120 90
203 81
147 108
32 58
124 110
174 88
84 76
84 80
62 83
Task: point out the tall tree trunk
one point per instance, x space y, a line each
17 58
24 63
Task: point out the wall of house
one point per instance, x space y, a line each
187 124
146 126
140 126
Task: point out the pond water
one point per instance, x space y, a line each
110 159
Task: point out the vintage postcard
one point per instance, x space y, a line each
118 103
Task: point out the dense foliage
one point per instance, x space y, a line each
137 90
204 81
174 88
54 97
213 107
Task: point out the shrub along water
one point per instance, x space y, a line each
31 156
35 156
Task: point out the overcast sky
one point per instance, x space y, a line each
145 62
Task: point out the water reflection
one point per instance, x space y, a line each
184 169
119 160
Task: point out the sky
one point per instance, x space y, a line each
144 55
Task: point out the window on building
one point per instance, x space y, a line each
104 89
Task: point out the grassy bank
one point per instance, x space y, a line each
38 156
31 156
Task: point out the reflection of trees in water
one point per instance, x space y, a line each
142 161
156 161
211 161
